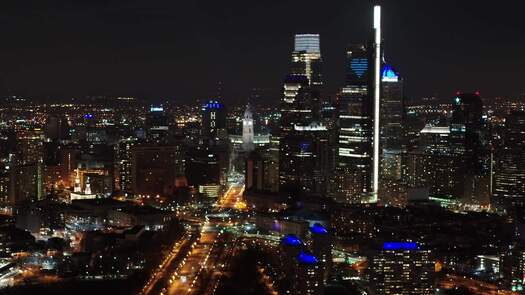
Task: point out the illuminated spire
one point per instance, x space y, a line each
377 98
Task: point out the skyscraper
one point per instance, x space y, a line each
303 147
295 103
357 173
28 177
213 121
391 139
307 50
303 157
509 170
354 126
303 273
439 165
402 268
470 148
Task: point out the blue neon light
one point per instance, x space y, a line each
292 240
306 258
318 229
88 116
400 246
389 74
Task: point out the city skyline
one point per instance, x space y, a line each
335 185
136 48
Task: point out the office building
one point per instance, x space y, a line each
301 271
321 245
304 159
391 145
402 268
307 51
352 181
123 163
154 168
509 168
214 121
469 146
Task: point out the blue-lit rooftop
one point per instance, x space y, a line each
292 240
395 246
306 258
318 229
389 74
213 104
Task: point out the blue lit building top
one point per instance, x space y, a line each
318 229
213 105
404 246
291 240
88 116
389 74
306 258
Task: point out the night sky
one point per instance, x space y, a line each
168 49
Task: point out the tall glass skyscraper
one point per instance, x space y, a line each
354 125
307 51
470 149
509 176
303 148
391 137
